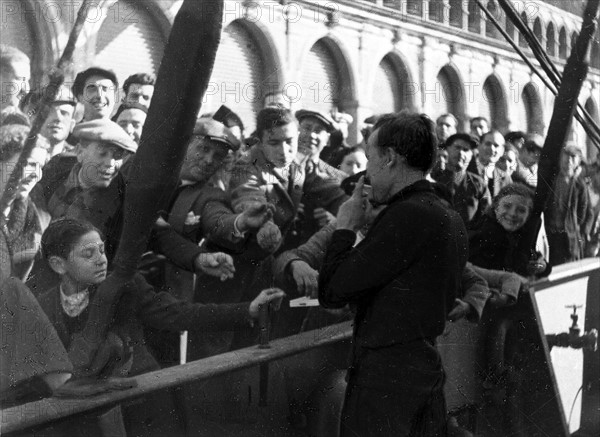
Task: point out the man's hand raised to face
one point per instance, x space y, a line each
352 214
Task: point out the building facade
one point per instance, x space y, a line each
361 57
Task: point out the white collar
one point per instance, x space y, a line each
75 304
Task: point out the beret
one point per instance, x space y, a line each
105 131
326 119
467 138
92 71
126 106
216 131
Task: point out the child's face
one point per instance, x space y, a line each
87 262
512 212
354 163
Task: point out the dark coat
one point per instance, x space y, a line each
470 198
404 276
492 247
141 306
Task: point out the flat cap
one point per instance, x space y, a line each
326 119
216 131
105 131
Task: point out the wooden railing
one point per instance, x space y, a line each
452 347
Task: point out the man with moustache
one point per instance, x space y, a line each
96 88
470 195
491 149
402 278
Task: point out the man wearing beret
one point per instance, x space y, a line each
96 88
131 117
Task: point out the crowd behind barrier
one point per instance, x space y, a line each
257 220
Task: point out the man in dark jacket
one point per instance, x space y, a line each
402 279
567 215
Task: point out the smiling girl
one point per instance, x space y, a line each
498 242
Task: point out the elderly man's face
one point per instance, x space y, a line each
132 121
100 163
202 160
59 123
14 84
491 148
313 137
98 97
445 127
138 93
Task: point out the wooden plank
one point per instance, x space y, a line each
52 409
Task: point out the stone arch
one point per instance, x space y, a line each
490 28
131 27
456 13
392 75
592 150
341 92
436 10
550 40
525 19
451 94
531 99
493 104
562 43
474 17
537 31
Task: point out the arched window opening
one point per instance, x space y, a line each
550 40
522 41
490 29
456 13
562 43
414 7
436 10
474 17
537 30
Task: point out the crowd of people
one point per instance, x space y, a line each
415 225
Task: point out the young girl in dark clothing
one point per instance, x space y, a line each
498 241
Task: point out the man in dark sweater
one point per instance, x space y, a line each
402 279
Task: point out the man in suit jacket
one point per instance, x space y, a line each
491 149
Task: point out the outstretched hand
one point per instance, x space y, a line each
352 214
255 215
218 264
270 296
306 278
